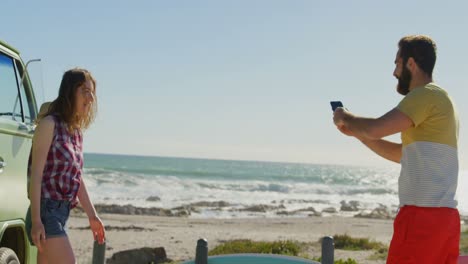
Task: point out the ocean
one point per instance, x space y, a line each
167 182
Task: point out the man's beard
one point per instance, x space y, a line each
404 81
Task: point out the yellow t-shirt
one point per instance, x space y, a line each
429 164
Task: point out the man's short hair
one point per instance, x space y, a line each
422 49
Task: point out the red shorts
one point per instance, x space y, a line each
425 235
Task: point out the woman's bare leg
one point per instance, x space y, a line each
58 250
41 258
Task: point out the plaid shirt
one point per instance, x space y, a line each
61 177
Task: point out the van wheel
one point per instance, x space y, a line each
8 256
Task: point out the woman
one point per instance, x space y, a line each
56 166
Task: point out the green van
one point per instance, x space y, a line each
18 110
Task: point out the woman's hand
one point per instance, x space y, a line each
97 227
38 234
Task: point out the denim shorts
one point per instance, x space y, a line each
54 216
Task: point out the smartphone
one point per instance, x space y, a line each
335 104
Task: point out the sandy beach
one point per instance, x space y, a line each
178 235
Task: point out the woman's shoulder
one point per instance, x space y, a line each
47 121
45 127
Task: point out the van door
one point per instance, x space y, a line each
17 112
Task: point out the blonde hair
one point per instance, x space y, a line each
64 105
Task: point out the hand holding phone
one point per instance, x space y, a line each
335 104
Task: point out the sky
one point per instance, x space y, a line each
247 79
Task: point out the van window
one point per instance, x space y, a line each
10 106
25 98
